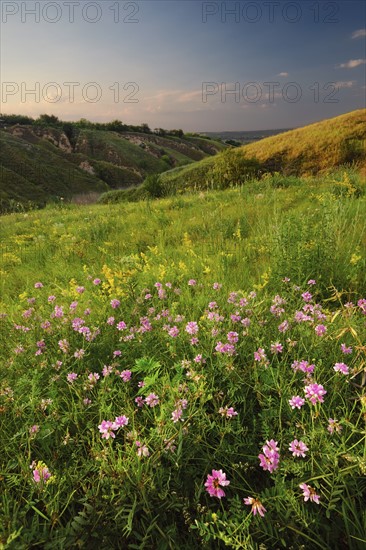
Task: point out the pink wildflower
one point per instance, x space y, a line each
314 392
309 493
341 367
256 505
152 400
213 483
298 448
296 402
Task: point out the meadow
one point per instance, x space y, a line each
186 372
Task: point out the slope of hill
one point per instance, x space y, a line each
30 172
303 151
41 163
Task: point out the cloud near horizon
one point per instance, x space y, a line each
351 64
360 33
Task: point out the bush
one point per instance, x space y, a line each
153 186
231 168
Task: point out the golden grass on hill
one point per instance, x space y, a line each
316 147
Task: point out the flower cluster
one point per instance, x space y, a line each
270 458
107 427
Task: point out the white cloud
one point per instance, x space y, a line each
282 74
360 33
352 63
345 84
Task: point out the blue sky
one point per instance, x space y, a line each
171 61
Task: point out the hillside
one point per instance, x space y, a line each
39 164
303 151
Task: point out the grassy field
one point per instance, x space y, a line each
186 372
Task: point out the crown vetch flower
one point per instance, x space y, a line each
298 448
296 402
314 392
309 493
256 505
213 483
341 367
270 459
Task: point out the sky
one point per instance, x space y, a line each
190 64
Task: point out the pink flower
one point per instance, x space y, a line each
79 353
311 282
126 375
256 505
93 377
320 330
71 377
333 425
38 285
115 303
142 449
106 428
362 305
121 325
34 429
309 493
260 355
341 367
345 349
298 448
176 415
173 332
152 400
296 402
139 401
192 327
314 392
121 421
232 337
270 459
40 472
192 282
283 327
306 296
276 348
80 289
97 282
217 286
213 483
229 412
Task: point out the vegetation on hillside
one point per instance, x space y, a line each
47 159
302 152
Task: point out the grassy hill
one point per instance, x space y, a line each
42 163
303 151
